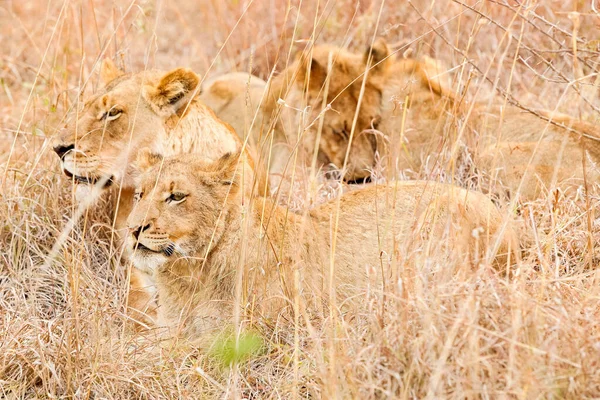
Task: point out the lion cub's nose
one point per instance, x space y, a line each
136 231
61 149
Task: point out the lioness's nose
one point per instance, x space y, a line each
61 149
136 231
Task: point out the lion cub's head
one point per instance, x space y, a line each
129 113
335 76
182 207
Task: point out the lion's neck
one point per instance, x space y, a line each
188 298
197 292
198 131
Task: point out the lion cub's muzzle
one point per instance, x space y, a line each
156 242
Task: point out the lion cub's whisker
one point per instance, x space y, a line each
169 249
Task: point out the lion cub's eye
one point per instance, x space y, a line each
137 196
111 114
176 197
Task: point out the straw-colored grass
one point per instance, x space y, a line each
473 334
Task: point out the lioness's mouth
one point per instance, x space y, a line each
167 250
91 180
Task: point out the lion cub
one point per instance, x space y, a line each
194 231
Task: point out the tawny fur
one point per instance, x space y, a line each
195 245
157 110
236 98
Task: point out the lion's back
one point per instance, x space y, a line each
385 223
235 98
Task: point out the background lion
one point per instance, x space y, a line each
421 117
408 114
288 121
192 229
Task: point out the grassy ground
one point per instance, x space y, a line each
466 335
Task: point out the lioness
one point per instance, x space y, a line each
152 109
192 229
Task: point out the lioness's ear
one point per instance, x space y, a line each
378 53
227 167
318 72
173 92
146 159
109 71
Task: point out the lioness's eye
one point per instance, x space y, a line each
176 197
112 114
137 196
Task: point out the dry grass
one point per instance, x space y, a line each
440 335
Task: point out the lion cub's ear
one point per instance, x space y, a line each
146 159
173 92
109 71
229 168
378 53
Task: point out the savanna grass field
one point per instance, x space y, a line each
438 333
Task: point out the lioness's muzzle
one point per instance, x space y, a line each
62 150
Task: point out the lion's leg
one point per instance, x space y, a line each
141 302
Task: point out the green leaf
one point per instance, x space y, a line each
229 351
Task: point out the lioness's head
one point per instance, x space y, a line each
128 113
345 73
182 206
